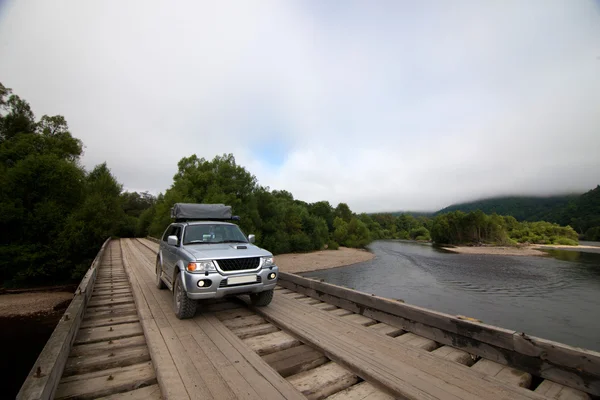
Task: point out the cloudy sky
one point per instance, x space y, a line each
385 105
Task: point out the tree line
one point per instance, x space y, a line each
54 214
582 212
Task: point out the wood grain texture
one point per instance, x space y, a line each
51 361
323 381
561 363
381 360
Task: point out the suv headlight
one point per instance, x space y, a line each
201 266
267 262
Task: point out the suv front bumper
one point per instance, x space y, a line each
218 287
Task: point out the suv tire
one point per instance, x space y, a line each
183 305
159 282
261 299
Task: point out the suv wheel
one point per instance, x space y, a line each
159 282
262 298
184 306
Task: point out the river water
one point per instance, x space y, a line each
555 297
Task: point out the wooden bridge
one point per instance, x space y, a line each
119 339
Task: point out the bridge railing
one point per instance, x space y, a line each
557 362
43 379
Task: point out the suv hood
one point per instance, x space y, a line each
225 250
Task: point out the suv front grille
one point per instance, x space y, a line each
239 264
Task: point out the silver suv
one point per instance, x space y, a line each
204 259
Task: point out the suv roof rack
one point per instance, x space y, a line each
183 212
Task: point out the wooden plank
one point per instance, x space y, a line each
120 310
295 360
564 364
151 392
255 330
340 312
111 296
121 290
43 379
108 286
109 321
411 339
272 342
325 306
506 374
106 382
361 391
560 392
225 305
91 335
323 381
101 347
386 329
282 386
107 359
110 302
243 322
309 300
407 372
228 381
167 374
359 319
456 355
231 314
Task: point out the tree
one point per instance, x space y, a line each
343 211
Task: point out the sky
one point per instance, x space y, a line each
385 105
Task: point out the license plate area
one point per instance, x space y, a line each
237 280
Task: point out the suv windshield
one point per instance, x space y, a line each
213 233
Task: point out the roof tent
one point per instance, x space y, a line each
201 212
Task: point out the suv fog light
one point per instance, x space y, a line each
204 283
272 275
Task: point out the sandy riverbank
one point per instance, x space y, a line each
324 259
24 304
531 250
496 250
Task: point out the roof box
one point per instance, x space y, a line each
199 212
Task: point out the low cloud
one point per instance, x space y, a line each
385 106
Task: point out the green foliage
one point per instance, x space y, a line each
566 242
582 212
420 233
332 245
522 208
476 227
280 223
593 234
54 215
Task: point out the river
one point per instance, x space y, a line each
555 297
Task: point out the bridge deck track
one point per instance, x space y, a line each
130 345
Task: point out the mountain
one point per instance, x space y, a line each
522 208
582 212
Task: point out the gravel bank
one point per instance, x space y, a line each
324 259
31 303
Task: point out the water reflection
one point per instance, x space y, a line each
556 297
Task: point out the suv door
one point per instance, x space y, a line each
172 251
165 251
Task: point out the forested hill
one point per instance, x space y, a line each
522 208
582 212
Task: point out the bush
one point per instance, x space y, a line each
566 242
332 245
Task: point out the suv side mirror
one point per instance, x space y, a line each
251 238
172 240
